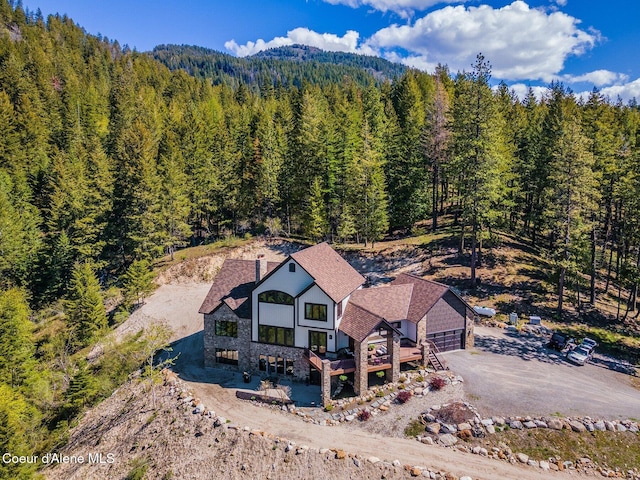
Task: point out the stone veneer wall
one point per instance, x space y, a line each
242 342
469 342
361 375
300 363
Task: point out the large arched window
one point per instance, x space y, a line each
274 296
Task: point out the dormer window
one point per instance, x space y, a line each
274 296
292 267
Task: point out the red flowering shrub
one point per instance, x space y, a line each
436 383
403 396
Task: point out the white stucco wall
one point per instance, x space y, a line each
284 281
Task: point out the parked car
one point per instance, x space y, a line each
589 344
484 311
558 341
579 355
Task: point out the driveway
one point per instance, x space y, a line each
509 374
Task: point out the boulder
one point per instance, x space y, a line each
498 420
577 426
446 428
447 440
516 424
464 426
610 426
373 460
341 454
544 465
530 424
599 426
621 428
486 422
540 424
433 428
554 424
522 457
416 471
427 440
533 463
490 429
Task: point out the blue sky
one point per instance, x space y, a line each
583 43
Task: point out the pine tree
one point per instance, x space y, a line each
84 306
138 282
316 224
16 340
475 152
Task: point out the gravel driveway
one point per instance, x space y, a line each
509 374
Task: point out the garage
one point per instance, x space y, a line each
448 340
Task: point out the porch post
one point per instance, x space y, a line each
361 375
393 349
425 353
325 381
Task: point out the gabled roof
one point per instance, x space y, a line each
233 285
329 270
424 295
359 323
390 302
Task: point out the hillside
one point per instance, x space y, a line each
286 66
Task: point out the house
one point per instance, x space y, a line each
310 318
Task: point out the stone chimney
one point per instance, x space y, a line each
261 267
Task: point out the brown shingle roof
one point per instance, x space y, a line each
330 271
424 295
390 302
358 322
233 285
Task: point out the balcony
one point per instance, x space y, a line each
374 362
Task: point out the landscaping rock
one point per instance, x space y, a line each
446 428
373 460
464 426
540 424
427 440
530 424
486 422
621 428
610 426
544 465
433 428
522 457
516 424
555 424
341 454
490 429
448 440
599 426
577 426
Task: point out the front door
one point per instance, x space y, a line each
318 342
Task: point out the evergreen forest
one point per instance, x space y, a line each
109 160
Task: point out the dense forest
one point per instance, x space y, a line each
289 66
108 160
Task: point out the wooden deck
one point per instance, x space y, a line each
376 363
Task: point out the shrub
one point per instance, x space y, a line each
414 428
401 387
328 408
364 415
437 383
371 347
380 373
342 378
419 378
403 396
379 393
402 379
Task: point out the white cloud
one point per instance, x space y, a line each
520 42
598 77
404 8
625 91
522 90
325 41
561 3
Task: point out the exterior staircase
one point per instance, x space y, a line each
437 363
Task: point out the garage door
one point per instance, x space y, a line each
450 340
